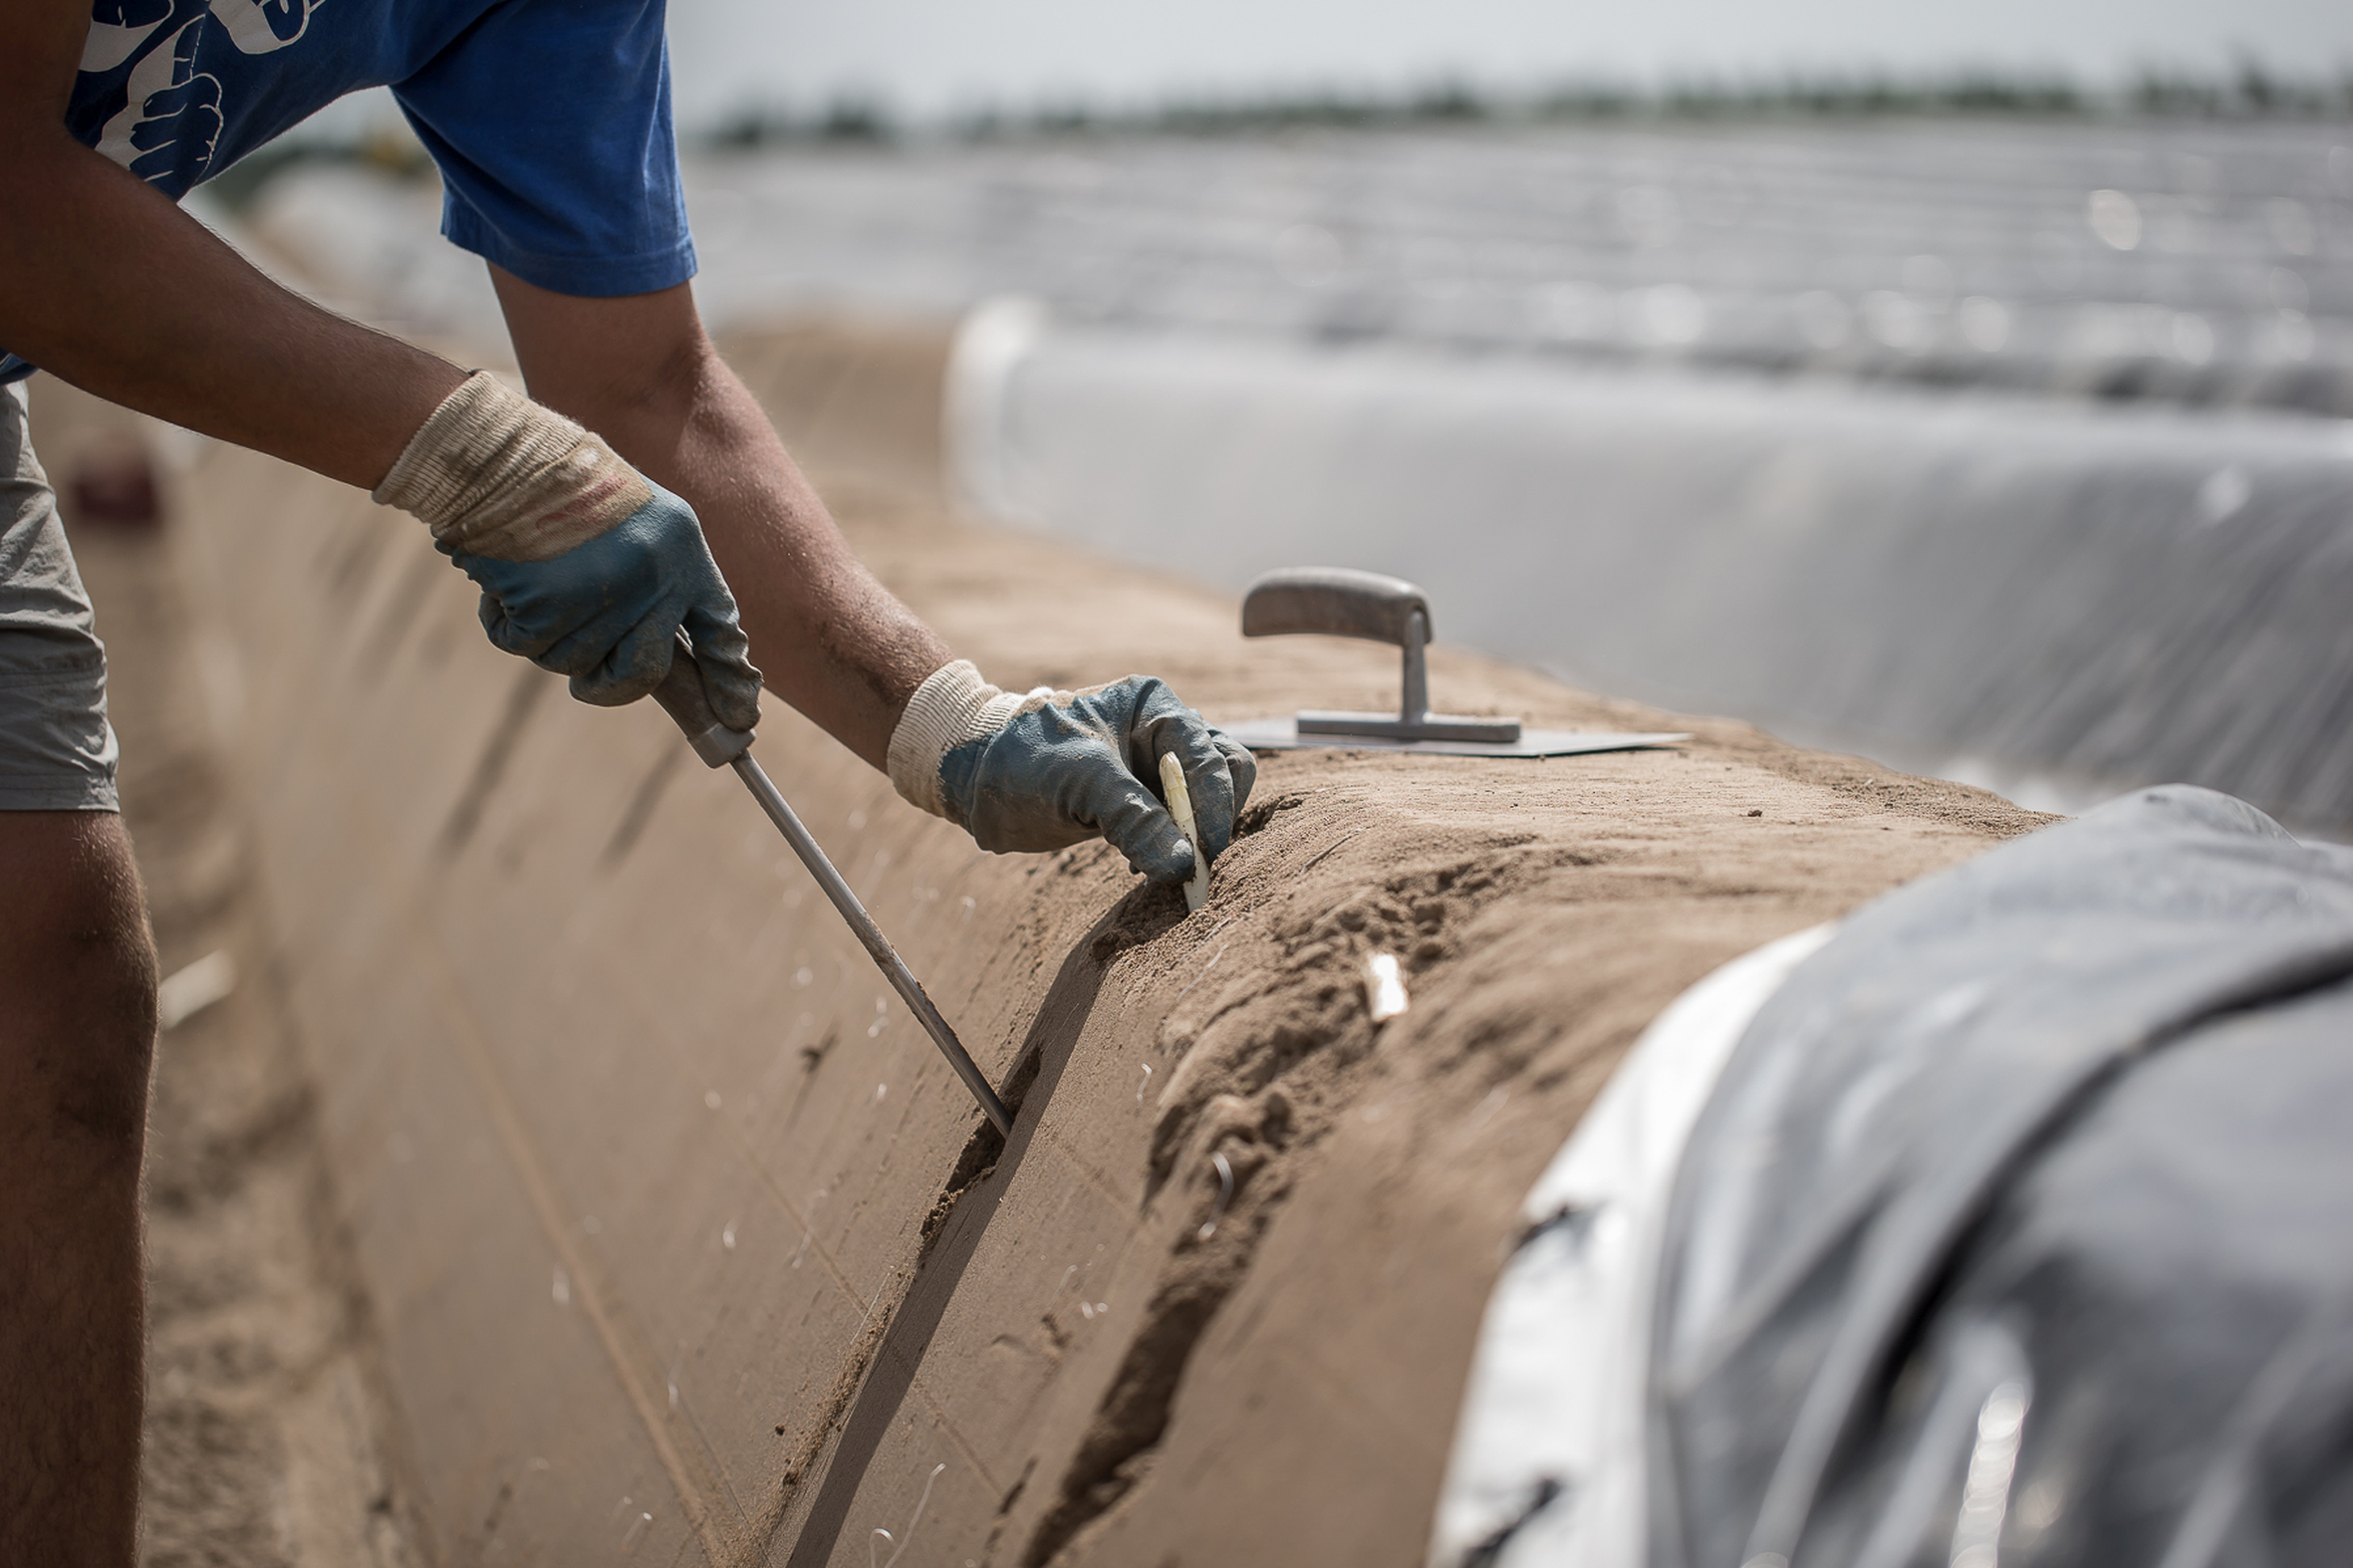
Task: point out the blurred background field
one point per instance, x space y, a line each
2084 197
1998 436
2200 260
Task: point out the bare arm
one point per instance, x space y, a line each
1029 776
108 285
640 372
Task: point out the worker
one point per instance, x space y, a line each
637 492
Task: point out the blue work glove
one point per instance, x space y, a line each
1045 769
607 613
587 567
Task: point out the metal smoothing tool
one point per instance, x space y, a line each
1339 601
681 695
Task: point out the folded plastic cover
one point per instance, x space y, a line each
1547 1466
2019 1226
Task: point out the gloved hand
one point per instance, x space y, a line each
587 567
1045 769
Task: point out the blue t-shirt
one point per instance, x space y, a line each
550 118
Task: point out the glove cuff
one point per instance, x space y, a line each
953 705
495 474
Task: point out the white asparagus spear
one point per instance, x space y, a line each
1181 807
1385 987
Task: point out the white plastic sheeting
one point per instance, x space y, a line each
2197 261
1548 1457
2107 595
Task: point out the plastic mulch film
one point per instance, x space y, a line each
2018 1228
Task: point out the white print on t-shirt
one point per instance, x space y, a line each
253 26
172 106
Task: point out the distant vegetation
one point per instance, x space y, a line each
2250 93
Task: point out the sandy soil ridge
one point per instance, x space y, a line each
683 1244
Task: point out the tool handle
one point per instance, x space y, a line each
877 946
1337 601
681 698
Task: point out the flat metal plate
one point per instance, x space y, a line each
1282 734
1315 723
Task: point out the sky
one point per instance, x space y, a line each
930 58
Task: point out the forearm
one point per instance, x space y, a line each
1017 773
108 285
829 638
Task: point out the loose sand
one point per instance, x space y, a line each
1214 1302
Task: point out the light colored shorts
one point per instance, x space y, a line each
57 751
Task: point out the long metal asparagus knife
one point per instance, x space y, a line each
681 695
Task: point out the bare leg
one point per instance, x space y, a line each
77 1031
